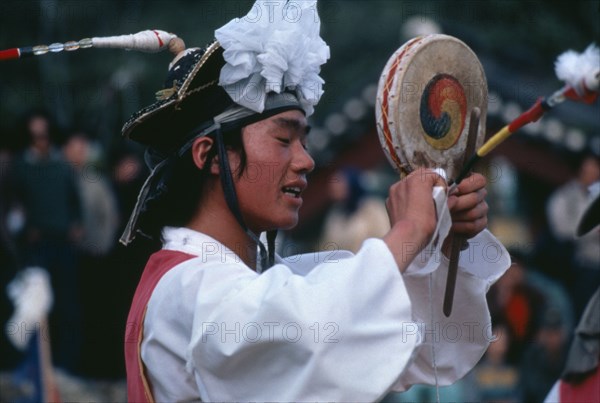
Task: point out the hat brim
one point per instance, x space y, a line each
590 218
198 98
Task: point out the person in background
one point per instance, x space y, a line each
494 378
354 216
565 208
516 300
543 360
100 219
580 379
99 207
45 188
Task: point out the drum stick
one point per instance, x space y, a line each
457 241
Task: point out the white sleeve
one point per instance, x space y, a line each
554 394
336 334
563 213
460 340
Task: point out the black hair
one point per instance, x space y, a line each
79 132
24 130
182 187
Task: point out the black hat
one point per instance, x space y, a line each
191 95
591 216
272 66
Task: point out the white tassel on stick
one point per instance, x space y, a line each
151 40
146 41
580 71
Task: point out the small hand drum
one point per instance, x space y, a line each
425 96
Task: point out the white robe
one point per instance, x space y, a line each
314 327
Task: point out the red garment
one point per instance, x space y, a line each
138 389
584 392
518 312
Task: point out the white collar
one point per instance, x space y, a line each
198 244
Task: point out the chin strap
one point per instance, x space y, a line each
271 235
266 259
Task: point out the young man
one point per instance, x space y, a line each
580 379
210 322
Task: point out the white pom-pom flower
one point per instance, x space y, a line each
31 295
275 47
579 69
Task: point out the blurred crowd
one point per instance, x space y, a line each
63 205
